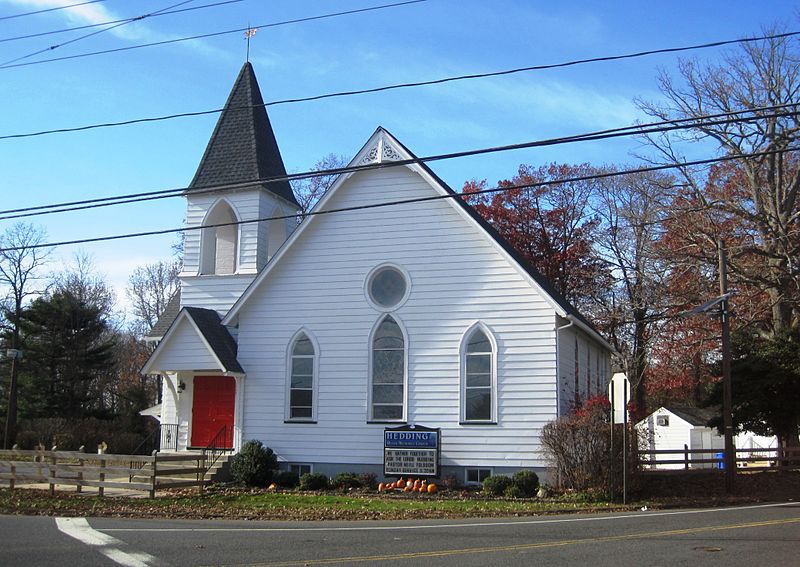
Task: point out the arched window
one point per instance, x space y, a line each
478 376
388 372
220 245
302 382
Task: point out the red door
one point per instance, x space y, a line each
212 409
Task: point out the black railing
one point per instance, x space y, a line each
169 437
220 444
164 438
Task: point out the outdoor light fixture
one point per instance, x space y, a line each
181 385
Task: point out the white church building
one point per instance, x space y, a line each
316 338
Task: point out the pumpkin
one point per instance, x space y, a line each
409 484
400 483
432 488
381 487
272 486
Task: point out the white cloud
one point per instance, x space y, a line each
88 14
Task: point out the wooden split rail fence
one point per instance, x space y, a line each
146 473
746 459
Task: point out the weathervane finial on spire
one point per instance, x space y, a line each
247 35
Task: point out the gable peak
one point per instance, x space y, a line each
380 148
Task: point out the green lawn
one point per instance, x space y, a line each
225 503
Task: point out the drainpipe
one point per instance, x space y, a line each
558 364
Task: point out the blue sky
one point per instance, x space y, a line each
422 41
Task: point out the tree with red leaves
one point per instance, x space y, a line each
551 225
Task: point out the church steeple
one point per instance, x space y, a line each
243 147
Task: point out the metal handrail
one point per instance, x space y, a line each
215 449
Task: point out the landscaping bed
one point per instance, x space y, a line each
227 502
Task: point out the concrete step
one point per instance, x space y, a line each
218 472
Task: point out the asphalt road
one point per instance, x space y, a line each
753 535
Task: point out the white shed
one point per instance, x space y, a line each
684 427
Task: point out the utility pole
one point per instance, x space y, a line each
727 398
11 414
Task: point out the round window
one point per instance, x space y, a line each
387 287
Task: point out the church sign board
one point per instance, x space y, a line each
412 450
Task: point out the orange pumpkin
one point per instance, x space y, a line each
399 483
272 486
381 487
432 488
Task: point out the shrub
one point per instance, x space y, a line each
451 482
346 480
313 481
526 482
514 491
496 485
254 465
369 480
287 479
579 448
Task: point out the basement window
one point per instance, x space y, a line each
477 476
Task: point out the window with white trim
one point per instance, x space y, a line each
478 377
302 365
477 476
388 361
301 469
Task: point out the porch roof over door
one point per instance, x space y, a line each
196 341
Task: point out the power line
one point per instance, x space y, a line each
640 129
592 177
385 87
109 22
212 34
94 33
50 9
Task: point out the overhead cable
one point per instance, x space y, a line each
110 22
383 88
50 9
207 35
399 202
639 129
94 33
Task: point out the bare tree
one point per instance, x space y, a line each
308 191
150 288
631 209
759 193
20 262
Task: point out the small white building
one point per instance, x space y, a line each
681 428
317 338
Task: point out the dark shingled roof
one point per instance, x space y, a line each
167 317
694 416
217 336
243 147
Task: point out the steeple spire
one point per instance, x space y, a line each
243 147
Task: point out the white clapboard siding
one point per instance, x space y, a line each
185 350
213 292
458 277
